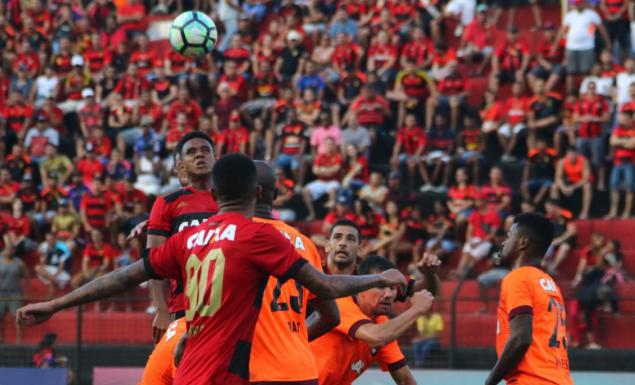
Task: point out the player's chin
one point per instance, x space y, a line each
384 308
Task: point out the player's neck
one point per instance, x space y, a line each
336 269
235 207
263 211
203 183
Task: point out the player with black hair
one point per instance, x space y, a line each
531 333
365 334
225 263
186 207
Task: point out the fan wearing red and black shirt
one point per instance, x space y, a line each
96 57
8 189
591 113
131 84
409 145
290 146
516 108
616 18
235 138
237 53
417 50
172 213
510 60
236 82
461 196
483 225
177 132
623 173
347 54
497 193
239 255
184 104
95 207
478 39
16 116
452 93
548 66
144 57
382 56
327 167
371 109
96 260
412 87
470 146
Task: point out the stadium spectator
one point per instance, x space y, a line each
46 356
17 231
477 43
514 124
12 271
327 168
429 327
573 173
548 62
54 163
356 173
440 227
538 172
591 113
408 150
482 228
375 192
510 60
579 26
544 114
440 144
565 235
54 267
623 154
290 146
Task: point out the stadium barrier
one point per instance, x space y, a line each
91 339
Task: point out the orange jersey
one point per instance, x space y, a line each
160 367
529 290
341 358
281 328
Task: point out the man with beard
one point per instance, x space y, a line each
365 334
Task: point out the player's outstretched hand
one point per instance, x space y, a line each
429 264
138 230
393 277
35 313
421 301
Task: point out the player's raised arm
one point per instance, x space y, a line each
336 286
100 288
517 345
378 335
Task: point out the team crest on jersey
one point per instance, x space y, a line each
357 367
181 204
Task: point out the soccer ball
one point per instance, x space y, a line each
193 34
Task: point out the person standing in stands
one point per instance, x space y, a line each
12 270
623 173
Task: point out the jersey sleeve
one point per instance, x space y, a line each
390 357
351 317
158 224
163 261
273 254
517 295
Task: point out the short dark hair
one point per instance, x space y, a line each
374 264
189 136
538 228
235 178
349 223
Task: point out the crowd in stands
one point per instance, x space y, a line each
364 107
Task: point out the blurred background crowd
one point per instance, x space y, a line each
428 123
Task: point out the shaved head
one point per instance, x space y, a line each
267 181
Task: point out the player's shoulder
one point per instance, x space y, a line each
176 195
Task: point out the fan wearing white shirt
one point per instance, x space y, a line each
580 25
623 83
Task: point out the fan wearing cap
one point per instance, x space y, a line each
74 82
579 26
291 59
483 225
39 136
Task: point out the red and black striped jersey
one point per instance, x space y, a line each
173 213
